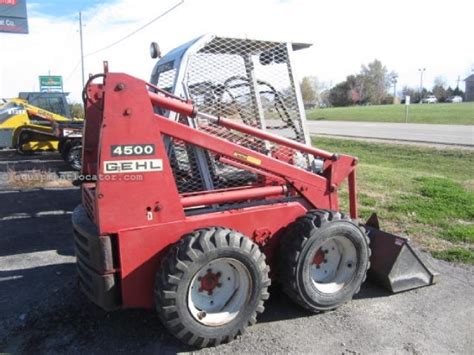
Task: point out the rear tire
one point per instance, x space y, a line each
23 139
323 261
211 286
74 156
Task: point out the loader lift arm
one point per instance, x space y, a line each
313 187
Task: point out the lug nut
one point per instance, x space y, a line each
201 315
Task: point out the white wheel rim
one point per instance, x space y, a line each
333 265
218 291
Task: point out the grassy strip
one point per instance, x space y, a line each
438 113
426 193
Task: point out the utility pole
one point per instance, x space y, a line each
457 81
394 82
421 70
82 48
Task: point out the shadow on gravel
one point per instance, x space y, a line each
68 321
37 220
281 307
48 161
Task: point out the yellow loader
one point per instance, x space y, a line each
37 121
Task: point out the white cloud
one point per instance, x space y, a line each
404 35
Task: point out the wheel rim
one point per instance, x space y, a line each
75 157
333 265
218 291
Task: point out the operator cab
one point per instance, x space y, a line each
250 81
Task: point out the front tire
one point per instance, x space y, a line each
324 259
211 286
74 156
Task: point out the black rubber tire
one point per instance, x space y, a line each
74 155
65 149
22 139
182 262
297 245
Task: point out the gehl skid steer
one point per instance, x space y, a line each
205 189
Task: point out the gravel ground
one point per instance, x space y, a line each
42 309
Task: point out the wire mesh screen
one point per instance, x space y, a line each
166 79
246 80
221 172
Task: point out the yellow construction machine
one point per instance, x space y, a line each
38 121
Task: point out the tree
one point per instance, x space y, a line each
308 93
376 81
458 92
439 88
339 94
369 86
77 110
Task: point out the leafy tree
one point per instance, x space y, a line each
376 82
308 92
77 110
439 90
440 93
369 86
339 94
449 92
458 92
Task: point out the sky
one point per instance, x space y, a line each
404 35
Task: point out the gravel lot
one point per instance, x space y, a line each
42 309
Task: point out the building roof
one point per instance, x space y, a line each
470 78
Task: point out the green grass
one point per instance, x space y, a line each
427 193
438 113
455 254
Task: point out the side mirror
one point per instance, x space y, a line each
155 51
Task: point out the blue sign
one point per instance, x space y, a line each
13 16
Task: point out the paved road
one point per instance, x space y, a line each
425 133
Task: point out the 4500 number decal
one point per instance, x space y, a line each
132 149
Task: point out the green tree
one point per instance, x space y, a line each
439 89
308 92
339 95
77 110
376 81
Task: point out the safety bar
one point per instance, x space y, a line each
188 109
236 195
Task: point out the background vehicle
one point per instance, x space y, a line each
34 122
231 195
430 99
454 99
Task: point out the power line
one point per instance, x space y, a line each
137 30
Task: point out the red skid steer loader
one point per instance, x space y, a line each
200 189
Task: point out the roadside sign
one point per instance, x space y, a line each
51 83
407 100
13 16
